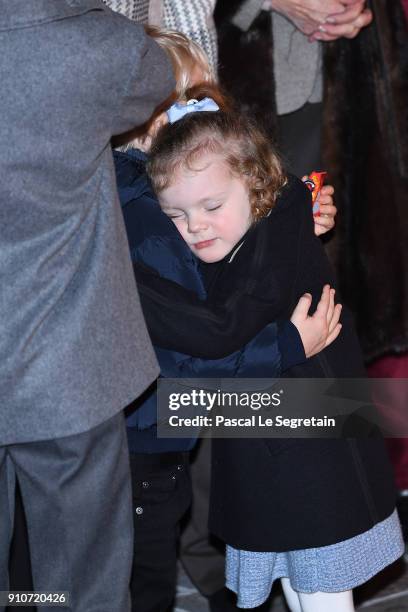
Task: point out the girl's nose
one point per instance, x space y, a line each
196 224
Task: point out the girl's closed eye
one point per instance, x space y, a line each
214 207
175 215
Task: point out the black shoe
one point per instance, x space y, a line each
224 600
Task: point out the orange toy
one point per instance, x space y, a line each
314 182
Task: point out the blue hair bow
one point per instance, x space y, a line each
178 111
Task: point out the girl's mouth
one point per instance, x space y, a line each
204 244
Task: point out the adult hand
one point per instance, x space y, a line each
307 15
346 24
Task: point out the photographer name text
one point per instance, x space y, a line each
255 420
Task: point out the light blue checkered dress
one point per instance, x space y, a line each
339 567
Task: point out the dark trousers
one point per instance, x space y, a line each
161 496
299 139
202 555
20 578
77 500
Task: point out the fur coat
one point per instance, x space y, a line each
365 148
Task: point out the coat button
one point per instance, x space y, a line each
179 467
145 484
139 510
173 477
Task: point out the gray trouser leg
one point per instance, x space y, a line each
300 139
202 559
6 515
77 500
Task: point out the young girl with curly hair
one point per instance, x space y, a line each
317 513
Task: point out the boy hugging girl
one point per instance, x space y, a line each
225 252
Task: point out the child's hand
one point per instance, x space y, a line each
325 221
321 329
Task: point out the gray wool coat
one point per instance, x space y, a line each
74 349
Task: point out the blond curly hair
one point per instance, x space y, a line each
186 56
190 65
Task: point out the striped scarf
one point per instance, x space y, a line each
195 19
138 10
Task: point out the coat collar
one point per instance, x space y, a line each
16 14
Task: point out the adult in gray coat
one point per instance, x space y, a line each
74 349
